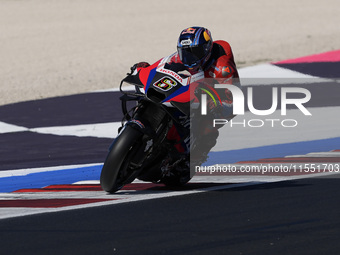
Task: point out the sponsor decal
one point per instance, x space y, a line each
137 122
165 84
189 30
196 77
171 73
186 42
226 70
206 36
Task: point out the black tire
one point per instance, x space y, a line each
113 175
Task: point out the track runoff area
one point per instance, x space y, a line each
52 149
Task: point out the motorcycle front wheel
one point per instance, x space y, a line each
116 170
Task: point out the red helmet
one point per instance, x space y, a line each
194 46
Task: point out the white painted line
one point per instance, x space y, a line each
124 88
100 130
26 171
9 128
268 74
270 71
317 155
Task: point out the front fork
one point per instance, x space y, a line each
150 119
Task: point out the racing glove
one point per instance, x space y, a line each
139 65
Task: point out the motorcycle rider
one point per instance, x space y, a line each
196 51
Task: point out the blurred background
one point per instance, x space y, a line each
60 47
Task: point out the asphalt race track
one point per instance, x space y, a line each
290 217
51 203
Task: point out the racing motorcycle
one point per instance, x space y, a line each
153 143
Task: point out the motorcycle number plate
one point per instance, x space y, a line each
165 84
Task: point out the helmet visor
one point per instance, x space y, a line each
191 55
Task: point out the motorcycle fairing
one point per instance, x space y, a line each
164 85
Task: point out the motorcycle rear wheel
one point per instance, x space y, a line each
116 170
